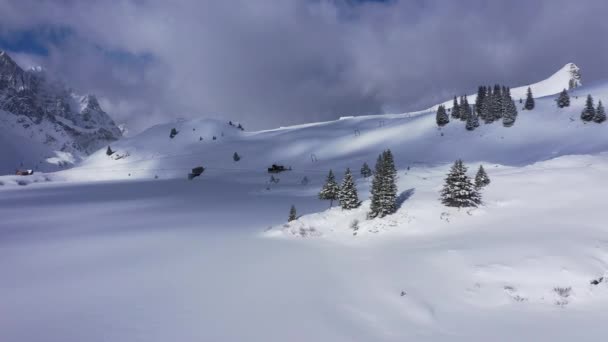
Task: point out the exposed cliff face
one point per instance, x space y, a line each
49 113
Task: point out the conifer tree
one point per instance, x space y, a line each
384 187
389 185
472 122
376 189
349 199
529 105
481 94
455 109
236 157
109 151
481 178
442 117
458 190
510 113
485 105
564 99
497 103
173 133
600 113
464 108
366 171
292 214
588 112
330 189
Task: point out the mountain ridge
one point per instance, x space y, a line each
50 115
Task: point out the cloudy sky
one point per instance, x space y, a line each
268 63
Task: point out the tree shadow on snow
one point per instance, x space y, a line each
404 196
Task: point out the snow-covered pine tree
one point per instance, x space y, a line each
510 113
109 151
588 112
564 99
389 185
173 133
600 113
330 189
481 178
236 157
472 122
458 190
455 109
376 189
529 105
292 214
485 105
481 94
366 171
497 105
349 199
442 117
463 108
467 108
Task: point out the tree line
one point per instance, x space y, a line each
459 189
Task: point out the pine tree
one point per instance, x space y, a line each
109 151
376 189
472 122
365 171
458 190
564 99
529 105
442 117
497 104
464 108
600 113
236 157
389 185
588 112
455 109
510 113
292 214
330 189
481 178
349 199
485 105
173 133
481 94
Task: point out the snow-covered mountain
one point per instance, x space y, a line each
568 77
311 149
39 116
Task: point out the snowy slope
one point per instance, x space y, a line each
311 150
568 77
189 261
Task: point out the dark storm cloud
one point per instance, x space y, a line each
269 63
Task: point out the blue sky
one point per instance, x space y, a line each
269 63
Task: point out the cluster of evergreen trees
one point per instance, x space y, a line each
459 190
346 193
590 113
493 104
383 191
